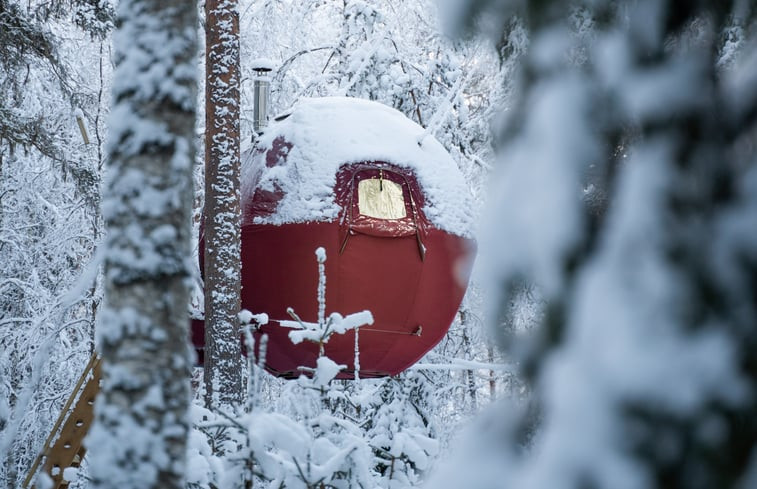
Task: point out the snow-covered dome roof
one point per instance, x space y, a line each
326 133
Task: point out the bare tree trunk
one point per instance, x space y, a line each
223 361
139 436
469 375
492 378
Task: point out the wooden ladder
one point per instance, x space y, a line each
63 448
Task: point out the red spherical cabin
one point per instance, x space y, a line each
390 208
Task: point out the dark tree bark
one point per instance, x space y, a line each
223 362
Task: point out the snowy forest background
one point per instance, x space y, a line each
608 338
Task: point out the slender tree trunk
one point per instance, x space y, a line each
223 361
139 436
469 376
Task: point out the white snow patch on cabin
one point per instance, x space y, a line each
329 132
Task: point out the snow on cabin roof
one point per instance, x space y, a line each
329 132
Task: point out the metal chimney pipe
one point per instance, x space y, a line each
261 92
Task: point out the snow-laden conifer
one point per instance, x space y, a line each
642 369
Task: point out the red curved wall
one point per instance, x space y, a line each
409 274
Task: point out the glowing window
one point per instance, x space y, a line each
381 198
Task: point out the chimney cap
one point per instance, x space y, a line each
262 65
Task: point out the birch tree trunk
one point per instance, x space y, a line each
139 436
223 361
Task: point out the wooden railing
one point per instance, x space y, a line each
63 448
